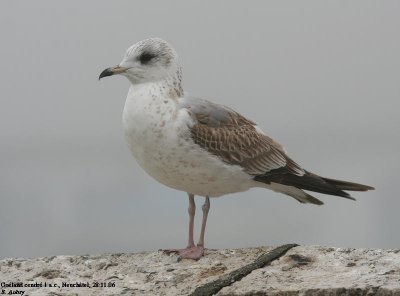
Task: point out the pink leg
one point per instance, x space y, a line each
192 212
206 209
192 251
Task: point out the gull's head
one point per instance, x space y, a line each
149 60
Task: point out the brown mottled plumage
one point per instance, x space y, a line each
238 141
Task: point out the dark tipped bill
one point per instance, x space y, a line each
112 71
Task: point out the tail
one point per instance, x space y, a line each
292 185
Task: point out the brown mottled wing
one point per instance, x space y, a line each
235 139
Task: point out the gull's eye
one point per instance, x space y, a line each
146 57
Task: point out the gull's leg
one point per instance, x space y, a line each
206 209
191 245
192 251
196 252
192 212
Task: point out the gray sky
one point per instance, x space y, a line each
321 78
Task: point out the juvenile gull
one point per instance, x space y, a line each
200 147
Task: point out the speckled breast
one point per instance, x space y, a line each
158 136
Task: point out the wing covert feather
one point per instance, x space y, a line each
237 141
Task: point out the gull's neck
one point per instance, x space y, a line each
170 87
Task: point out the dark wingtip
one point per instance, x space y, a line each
105 73
350 186
352 198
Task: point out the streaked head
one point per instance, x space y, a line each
148 60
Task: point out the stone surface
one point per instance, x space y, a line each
313 270
303 270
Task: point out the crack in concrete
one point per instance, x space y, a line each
214 287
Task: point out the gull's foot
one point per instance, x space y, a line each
194 253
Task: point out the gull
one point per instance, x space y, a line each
200 147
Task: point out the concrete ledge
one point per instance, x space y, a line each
286 270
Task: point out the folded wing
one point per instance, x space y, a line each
238 141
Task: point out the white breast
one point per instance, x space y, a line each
158 136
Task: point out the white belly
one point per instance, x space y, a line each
159 138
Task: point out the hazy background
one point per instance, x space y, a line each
321 78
